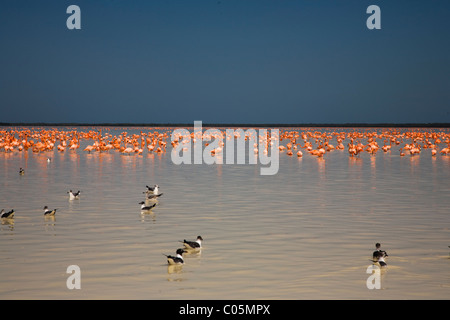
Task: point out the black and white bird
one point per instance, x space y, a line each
21 171
178 259
48 212
145 208
378 251
154 189
197 244
74 195
7 215
379 255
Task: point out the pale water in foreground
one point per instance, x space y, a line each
307 232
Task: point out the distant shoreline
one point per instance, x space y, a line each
231 125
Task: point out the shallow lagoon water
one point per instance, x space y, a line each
307 232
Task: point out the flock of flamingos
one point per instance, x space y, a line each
296 142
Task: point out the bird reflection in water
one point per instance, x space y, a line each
49 224
193 253
174 269
148 216
8 222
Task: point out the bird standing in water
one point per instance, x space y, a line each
7 215
379 255
178 259
197 244
145 208
73 196
48 212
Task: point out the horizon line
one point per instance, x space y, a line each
221 125
282 125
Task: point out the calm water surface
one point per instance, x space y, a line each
307 232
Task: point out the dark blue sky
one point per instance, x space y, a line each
226 61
